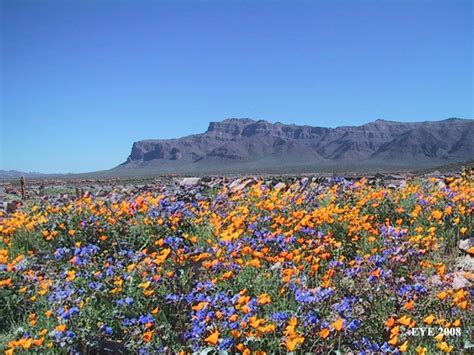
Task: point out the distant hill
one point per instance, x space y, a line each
246 145
13 174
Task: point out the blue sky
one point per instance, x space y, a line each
82 80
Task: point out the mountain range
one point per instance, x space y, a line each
13 174
247 145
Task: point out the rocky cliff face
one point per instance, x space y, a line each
249 144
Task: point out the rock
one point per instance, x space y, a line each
435 173
459 280
189 181
392 176
12 191
435 281
13 206
235 183
466 263
455 280
466 244
441 184
239 185
276 266
279 186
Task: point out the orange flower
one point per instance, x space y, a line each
147 336
437 214
324 333
393 341
443 346
390 322
61 328
199 306
70 275
255 263
213 338
404 347
264 299
376 273
442 295
405 321
292 343
409 305
338 324
428 320
395 331
267 328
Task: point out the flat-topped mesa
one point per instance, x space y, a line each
246 127
229 127
248 143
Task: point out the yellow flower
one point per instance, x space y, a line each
428 320
393 341
404 347
213 338
405 321
421 350
70 275
338 324
437 214
61 328
199 306
264 299
324 333
292 343
443 346
442 295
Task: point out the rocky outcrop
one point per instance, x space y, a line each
260 145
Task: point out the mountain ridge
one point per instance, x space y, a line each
247 144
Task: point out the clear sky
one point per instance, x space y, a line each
82 80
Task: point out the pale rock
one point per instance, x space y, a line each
466 263
279 186
189 181
465 244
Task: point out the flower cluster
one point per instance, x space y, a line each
315 266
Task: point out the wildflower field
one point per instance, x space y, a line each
312 266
